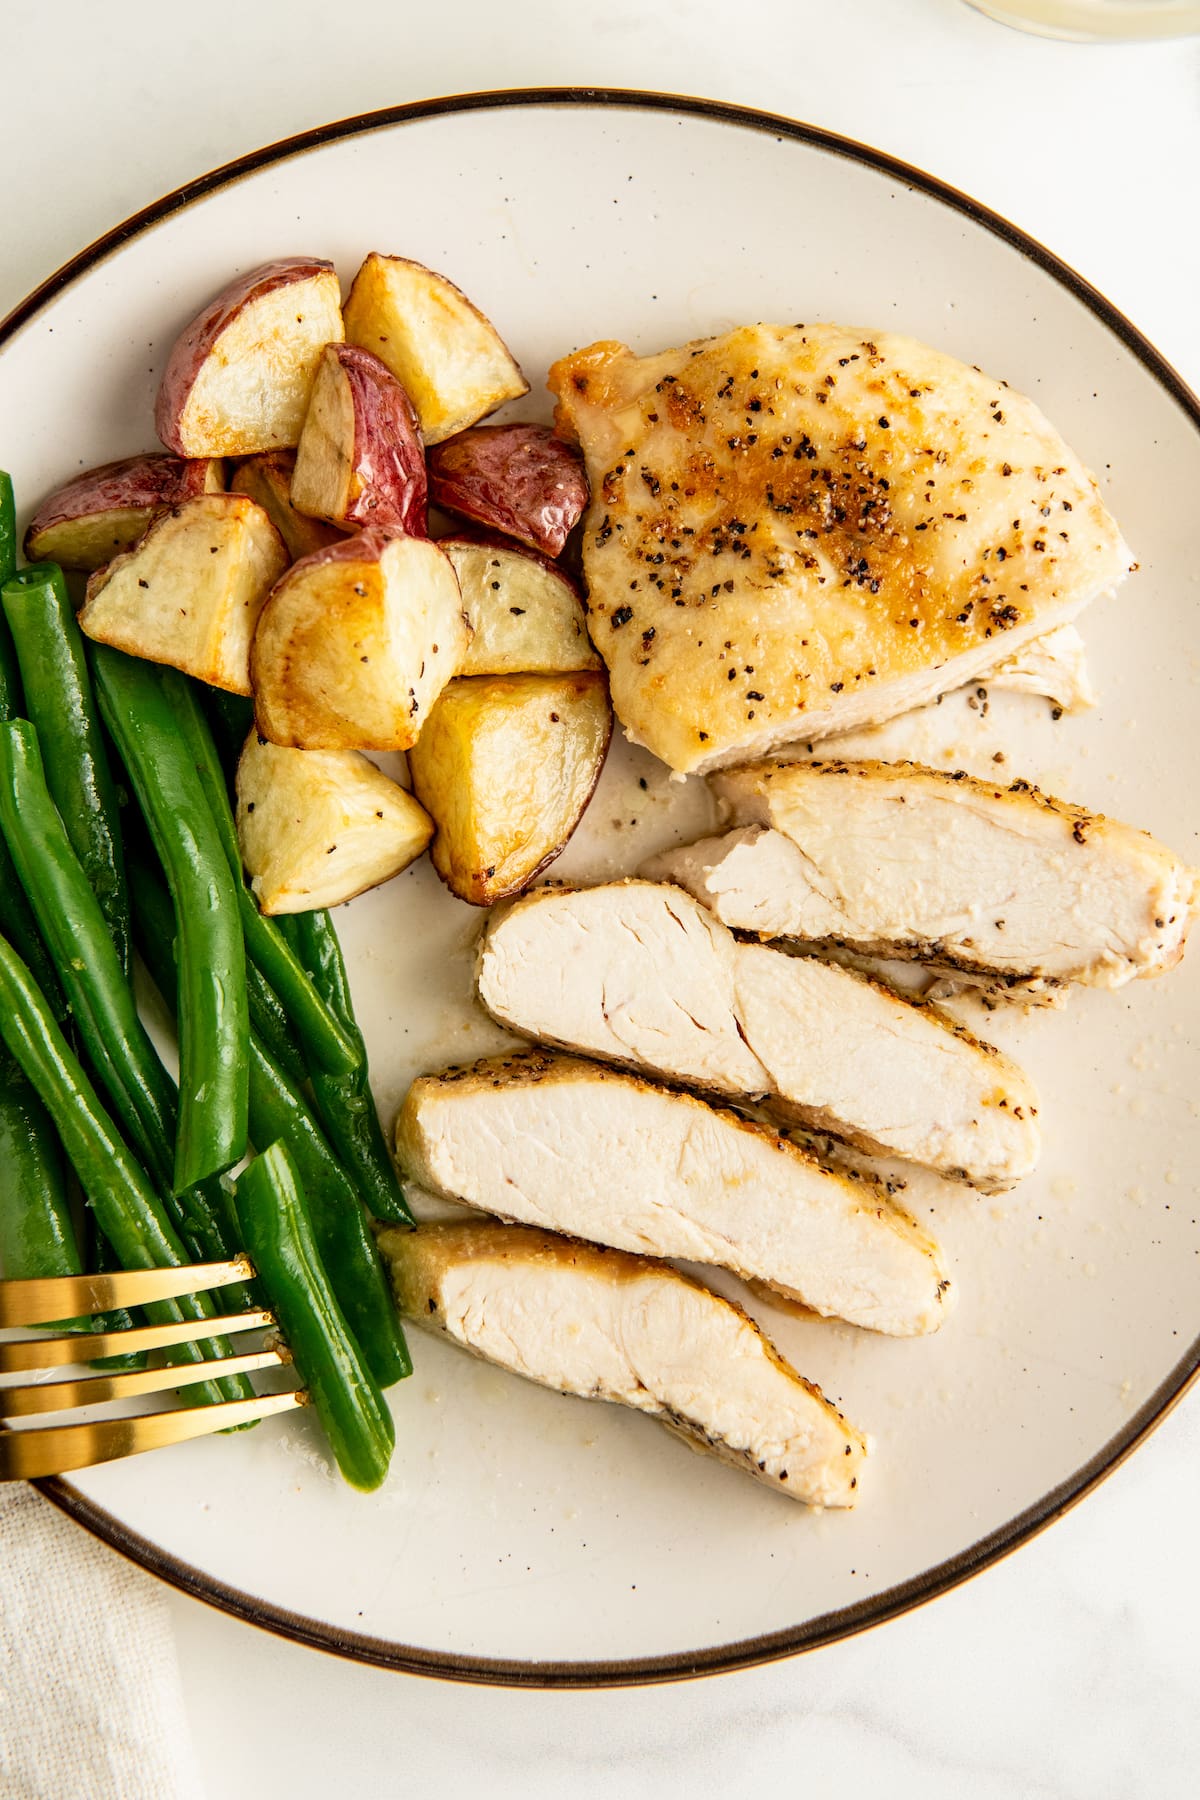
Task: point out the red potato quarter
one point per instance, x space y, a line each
103 511
189 593
360 460
517 479
505 766
317 827
452 361
526 615
356 643
239 376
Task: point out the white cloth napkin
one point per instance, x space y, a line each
91 1704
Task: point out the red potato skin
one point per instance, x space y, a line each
389 452
194 343
134 482
517 479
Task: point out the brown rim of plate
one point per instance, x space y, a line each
829 1627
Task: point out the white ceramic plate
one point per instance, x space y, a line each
526 1537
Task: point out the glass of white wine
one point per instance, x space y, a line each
1097 21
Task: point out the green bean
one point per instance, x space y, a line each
231 720
37 1235
270 1022
279 1111
346 1102
8 527
102 1001
16 919
10 681
127 1209
213 1015
77 935
279 1236
202 1215
60 704
19 926
325 1042
101 998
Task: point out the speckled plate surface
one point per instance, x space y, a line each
525 1537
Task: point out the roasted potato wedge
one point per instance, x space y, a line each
451 361
505 766
356 643
267 479
525 614
517 479
317 827
104 511
239 376
361 460
190 591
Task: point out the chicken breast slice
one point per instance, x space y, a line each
897 858
640 974
797 530
633 971
567 1145
606 1326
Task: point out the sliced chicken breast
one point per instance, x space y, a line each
606 1326
641 974
567 1145
796 530
897 858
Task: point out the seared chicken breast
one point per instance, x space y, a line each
567 1145
900 859
641 974
802 529
606 1326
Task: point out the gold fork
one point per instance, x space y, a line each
33 1451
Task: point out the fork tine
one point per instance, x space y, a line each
32 1454
20 1355
36 1302
60 1396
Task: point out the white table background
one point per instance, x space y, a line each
1071 1669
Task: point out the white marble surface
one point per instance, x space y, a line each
1070 1670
